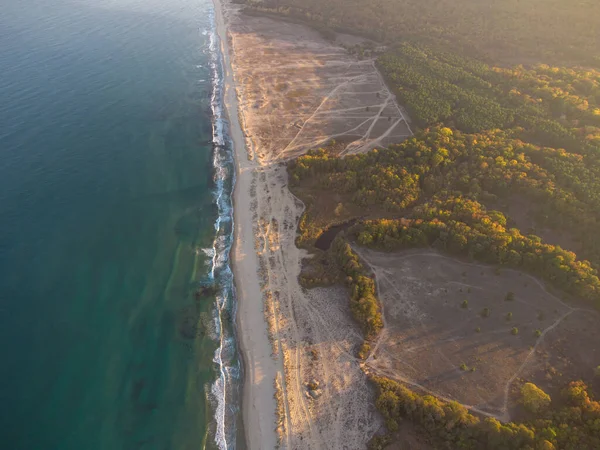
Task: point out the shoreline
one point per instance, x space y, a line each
257 428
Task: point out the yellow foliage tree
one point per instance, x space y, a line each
534 399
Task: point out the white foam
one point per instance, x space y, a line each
224 179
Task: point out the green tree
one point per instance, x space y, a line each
533 398
545 445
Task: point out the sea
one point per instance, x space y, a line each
117 301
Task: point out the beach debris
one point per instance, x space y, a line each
313 389
315 394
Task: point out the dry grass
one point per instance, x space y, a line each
437 338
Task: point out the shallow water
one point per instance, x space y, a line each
108 205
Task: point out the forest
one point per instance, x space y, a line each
505 32
553 106
487 168
446 187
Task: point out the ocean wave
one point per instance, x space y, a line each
224 392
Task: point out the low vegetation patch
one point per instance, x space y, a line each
363 301
571 425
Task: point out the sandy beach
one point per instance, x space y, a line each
258 391
288 90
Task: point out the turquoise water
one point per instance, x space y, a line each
112 215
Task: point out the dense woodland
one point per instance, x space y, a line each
485 167
507 31
506 98
552 106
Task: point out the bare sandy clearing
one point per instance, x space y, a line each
449 328
299 91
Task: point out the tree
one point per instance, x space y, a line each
577 393
545 445
533 398
338 210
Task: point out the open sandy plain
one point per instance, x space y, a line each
303 388
299 91
453 329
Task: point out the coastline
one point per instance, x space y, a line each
258 404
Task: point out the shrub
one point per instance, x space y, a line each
364 350
546 445
514 331
510 296
533 398
363 302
